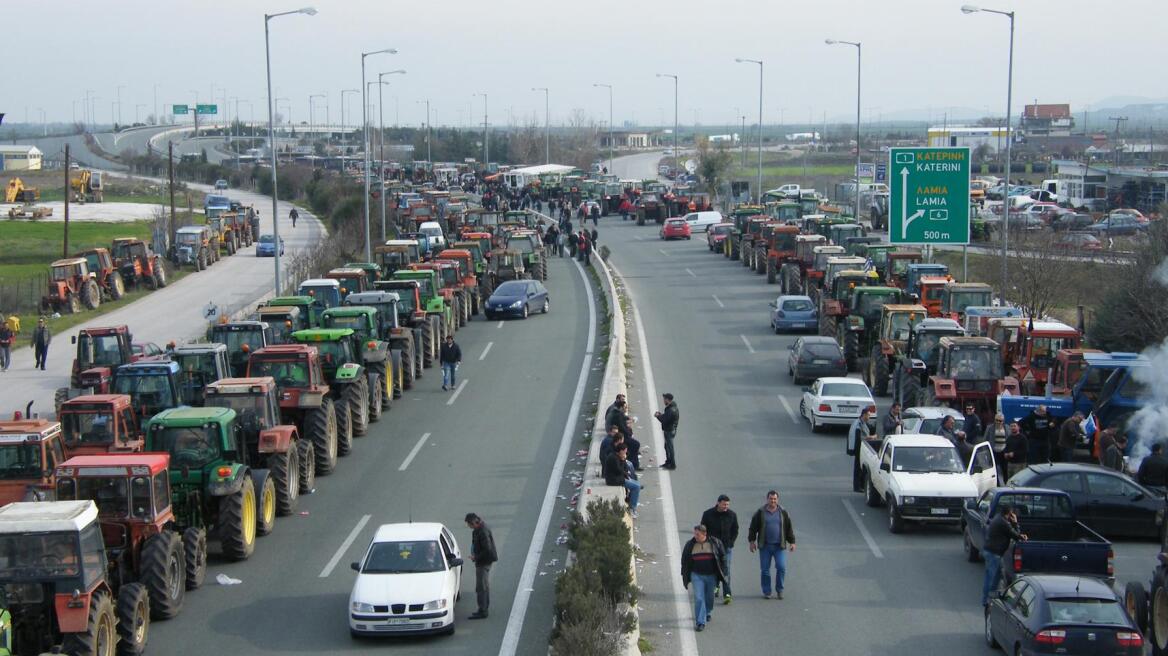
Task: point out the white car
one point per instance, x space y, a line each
835 401
407 582
927 420
703 220
433 231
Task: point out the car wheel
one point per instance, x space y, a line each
895 522
547 305
971 553
524 310
991 642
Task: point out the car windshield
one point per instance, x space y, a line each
197 366
357 323
512 288
1086 611
900 323
926 459
235 340
848 390
188 446
798 305
720 229
47 555
404 558
923 426
188 238
900 266
975 364
522 245
785 241
926 345
1039 506
288 373
334 354
100 349
449 276
823 350
267 239
87 427
326 295
110 494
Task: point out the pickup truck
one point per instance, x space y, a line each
922 478
1058 543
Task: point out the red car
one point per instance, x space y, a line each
675 229
716 234
1078 241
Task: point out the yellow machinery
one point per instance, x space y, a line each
86 186
26 196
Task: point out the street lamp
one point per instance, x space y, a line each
547 124
486 135
971 9
308 11
676 154
859 51
381 84
365 128
609 87
311 114
343 116
743 60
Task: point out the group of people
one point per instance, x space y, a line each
41 338
620 451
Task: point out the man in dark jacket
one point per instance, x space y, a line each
703 563
772 535
856 436
892 423
1113 457
482 552
1002 530
972 425
1154 469
722 523
450 356
669 418
616 472
1069 435
41 338
609 444
6 338
1039 429
613 412
1015 451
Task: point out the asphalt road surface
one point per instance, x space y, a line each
172 313
852 587
490 447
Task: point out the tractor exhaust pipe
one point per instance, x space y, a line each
28 410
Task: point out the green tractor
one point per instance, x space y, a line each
373 350
287 314
212 485
348 380
860 329
896 323
433 302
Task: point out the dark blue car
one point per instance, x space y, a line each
518 298
1058 614
266 246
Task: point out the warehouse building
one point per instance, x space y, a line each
20 158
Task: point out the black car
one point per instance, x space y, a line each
815 357
1072 221
518 298
1108 501
1059 614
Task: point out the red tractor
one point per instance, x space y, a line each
105 272
138 264
71 286
466 271
31 449
793 274
969 372
781 242
303 397
100 351
99 423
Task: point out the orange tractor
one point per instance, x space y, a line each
71 285
138 264
102 267
99 423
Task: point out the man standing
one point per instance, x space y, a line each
972 426
722 523
450 357
1039 430
1002 529
703 563
482 552
669 418
858 433
948 429
772 535
616 473
41 337
6 338
1069 435
1113 457
1015 451
892 423
1154 469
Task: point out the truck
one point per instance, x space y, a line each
923 478
1058 543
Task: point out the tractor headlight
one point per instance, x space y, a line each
437 604
358 607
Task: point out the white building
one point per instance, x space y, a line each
964 137
20 158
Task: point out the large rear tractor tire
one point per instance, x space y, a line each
285 474
133 613
771 272
1135 599
160 280
910 391
117 286
91 294
409 369
195 550
59 398
376 390
100 635
266 502
237 521
395 390
878 372
322 433
428 345
1158 613
852 350
163 573
307 473
357 396
344 415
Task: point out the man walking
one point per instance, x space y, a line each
703 563
41 338
294 215
450 357
6 338
1002 529
482 552
772 535
856 436
722 523
669 418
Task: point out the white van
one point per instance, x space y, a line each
703 220
433 231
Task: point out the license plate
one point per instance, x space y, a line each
849 408
399 620
821 362
939 511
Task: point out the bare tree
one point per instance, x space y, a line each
1039 272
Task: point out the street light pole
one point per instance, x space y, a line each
365 129
486 135
676 153
547 124
343 118
609 87
859 51
381 84
427 104
971 9
310 11
741 60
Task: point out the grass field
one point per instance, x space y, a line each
27 247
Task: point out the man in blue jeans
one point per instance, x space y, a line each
772 535
616 472
450 357
1002 530
703 563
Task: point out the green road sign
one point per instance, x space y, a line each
928 196
206 109
181 109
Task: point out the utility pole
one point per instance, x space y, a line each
68 192
1119 120
170 178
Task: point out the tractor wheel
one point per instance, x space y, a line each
200 260
230 247
72 303
408 369
374 397
760 263
771 273
265 502
163 571
159 274
91 294
307 460
133 614
150 281
879 368
460 310
930 397
386 394
285 474
1158 613
852 350
117 286
237 521
429 345
100 635
344 417
195 549
826 329
1135 600
796 286
910 391
59 398
322 433
357 396
395 390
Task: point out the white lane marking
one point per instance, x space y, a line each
414 452
747 342
461 386
718 301
663 252
500 324
691 272
486 351
689 645
789 409
332 563
535 551
863 529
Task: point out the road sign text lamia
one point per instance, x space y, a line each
929 196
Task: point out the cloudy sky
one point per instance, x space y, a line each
919 55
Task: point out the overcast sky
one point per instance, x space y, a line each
918 55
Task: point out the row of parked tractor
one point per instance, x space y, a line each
916 334
155 461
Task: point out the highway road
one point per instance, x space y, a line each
172 313
490 447
852 587
642 166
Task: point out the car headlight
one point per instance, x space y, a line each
517 304
437 604
358 607
909 500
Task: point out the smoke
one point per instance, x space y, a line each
1150 423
